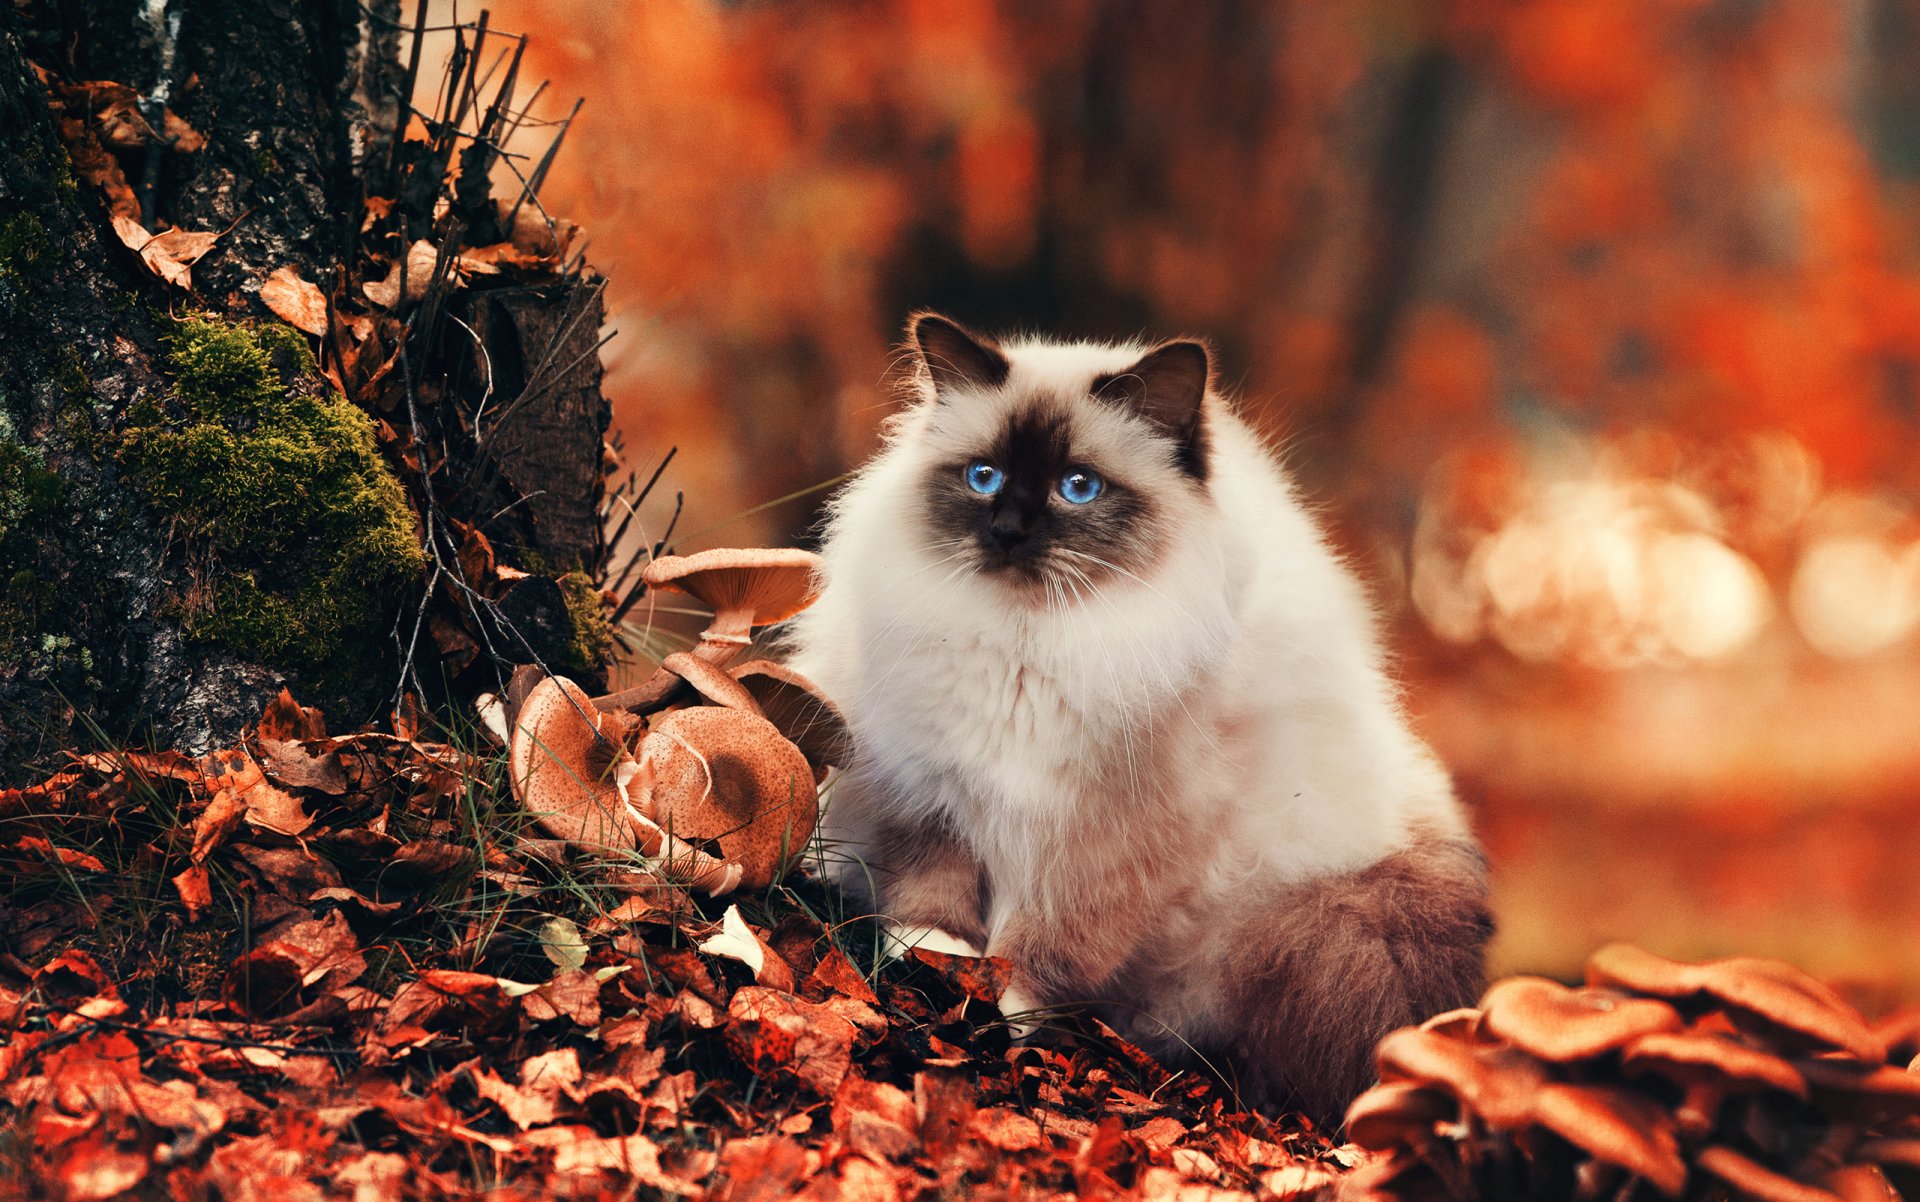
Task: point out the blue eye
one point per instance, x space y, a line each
984 478
1081 485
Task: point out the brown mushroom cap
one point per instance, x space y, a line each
1563 1025
1618 1126
1866 1091
744 586
805 715
728 777
1498 1084
711 681
1510 1090
568 771
1685 1057
1751 1179
1766 993
1396 1114
1900 1031
1463 1023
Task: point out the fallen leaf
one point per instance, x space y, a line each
295 301
195 889
737 941
171 254
563 944
876 1119
771 1030
417 271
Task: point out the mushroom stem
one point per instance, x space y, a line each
729 634
656 693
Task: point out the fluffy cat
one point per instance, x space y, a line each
1121 718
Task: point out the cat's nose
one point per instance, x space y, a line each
1005 533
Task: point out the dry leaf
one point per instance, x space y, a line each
295 301
735 939
418 271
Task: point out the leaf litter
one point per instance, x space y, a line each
314 965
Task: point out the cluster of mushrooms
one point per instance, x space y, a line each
709 769
1739 1078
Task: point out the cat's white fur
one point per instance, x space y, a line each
1235 686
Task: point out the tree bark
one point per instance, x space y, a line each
482 395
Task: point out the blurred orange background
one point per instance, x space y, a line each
1595 322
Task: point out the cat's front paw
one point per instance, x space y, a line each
901 938
1020 1011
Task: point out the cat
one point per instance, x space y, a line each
1120 716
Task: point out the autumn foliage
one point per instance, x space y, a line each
315 965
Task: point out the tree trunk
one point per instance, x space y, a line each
200 504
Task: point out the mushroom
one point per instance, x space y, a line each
568 764
1766 993
1397 1114
711 681
1563 1025
566 771
726 776
1709 1067
1870 1092
1510 1091
1463 1023
1750 1179
1901 1033
805 715
1498 1084
1618 1126
744 586
1860 1183
1399 1175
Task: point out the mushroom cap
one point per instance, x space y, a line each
1687 1057
1750 1179
1399 1176
1397 1114
1901 1033
1765 993
1562 1025
1895 1150
774 582
567 766
1463 1023
1618 1126
1510 1090
728 777
1498 1084
1868 1091
711 681
805 715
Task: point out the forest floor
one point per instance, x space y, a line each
313 966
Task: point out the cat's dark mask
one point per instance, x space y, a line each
1026 498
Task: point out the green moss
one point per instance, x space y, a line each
24 249
28 491
279 476
591 645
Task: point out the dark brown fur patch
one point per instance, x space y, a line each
1026 529
926 877
955 357
1167 387
1327 967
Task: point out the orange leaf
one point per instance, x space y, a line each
295 301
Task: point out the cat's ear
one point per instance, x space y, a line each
1167 387
955 358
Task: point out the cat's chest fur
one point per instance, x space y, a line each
988 720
